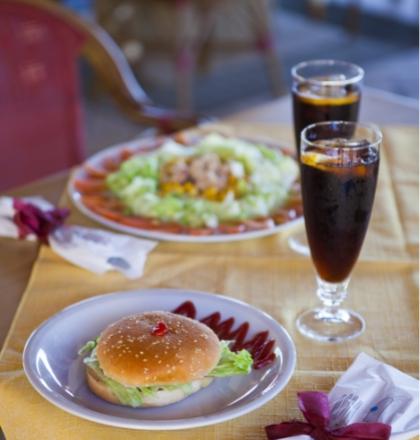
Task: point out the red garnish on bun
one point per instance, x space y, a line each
160 329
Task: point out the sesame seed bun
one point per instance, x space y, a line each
131 353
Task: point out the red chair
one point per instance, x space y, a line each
41 120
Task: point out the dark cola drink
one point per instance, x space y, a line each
317 103
338 189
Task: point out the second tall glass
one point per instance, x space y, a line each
323 90
339 169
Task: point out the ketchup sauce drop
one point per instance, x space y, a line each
260 346
160 329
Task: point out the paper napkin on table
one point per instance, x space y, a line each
372 391
93 249
99 251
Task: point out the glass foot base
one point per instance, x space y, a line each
325 326
299 243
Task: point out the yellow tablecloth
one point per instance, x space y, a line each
263 272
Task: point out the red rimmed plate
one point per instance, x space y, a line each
88 191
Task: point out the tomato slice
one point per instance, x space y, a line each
94 172
257 224
125 154
200 231
107 213
138 222
93 199
89 185
99 200
150 224
171 228
111 163
232 229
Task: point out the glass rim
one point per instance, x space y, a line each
367 125
328 62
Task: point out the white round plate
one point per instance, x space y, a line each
55 370
97 159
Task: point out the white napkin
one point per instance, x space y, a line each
93 249
371 391
100 251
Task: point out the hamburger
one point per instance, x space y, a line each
157 358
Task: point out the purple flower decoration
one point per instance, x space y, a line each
315 408
32 220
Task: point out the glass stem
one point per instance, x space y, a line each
331 294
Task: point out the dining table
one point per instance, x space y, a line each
36 283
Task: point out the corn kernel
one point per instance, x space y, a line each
210 193
231 180
190 189
169 187
222 194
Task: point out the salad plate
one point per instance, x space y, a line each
54 368
199 187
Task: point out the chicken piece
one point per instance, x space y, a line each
208 171
175 172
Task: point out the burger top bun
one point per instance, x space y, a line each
157 348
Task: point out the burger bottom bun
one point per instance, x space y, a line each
160 398
99 388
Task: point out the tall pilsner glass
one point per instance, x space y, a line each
339 169
323 90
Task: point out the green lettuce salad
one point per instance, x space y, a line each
230 364
262 176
